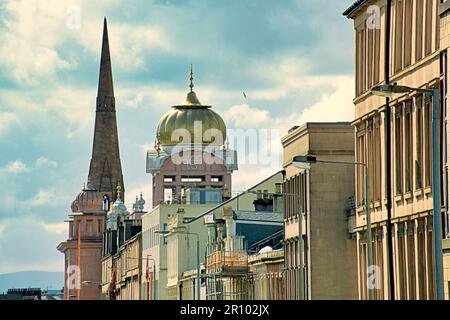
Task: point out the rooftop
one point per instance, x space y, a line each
355 6
259 216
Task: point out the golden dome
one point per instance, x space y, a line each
187 116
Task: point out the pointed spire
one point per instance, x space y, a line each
191 85
105 82
105 169
191 98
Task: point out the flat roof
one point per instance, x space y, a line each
314 125
267 216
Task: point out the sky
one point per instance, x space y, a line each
292 58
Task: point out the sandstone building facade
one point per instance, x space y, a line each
325 266
416 60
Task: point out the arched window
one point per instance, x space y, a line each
105 203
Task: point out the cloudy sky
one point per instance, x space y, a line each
293 58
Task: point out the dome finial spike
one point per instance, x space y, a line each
191 85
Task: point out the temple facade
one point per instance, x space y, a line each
191 153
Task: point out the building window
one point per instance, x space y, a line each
192 179
408 147
421 255
168 195
370 56
430 258
361 61
214 197
371 159
419 143
438 25
428 141
398 152
398 45
169 179
377 157
401 260
408 31
217 179
164 230
419 29
428 27
359 169
411 260
363 268
377 56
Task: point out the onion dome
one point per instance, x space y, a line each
140 204
117 212
88 200
191 117
119 208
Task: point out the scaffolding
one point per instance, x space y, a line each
228 275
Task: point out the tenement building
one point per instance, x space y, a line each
319 245
408 53
122 254
83 248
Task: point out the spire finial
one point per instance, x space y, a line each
191 85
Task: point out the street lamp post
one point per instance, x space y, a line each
388 90
165 233
304 162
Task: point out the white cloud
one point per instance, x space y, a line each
158 97
47 198
253 117
32 33
45 162
337 106
28 245
331 107
2 229
8 120
35 30
249 175
17 167
58 228
74 106
130 44
43 197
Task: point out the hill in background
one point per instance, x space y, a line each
31 279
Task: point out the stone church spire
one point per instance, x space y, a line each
105 171
105 95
